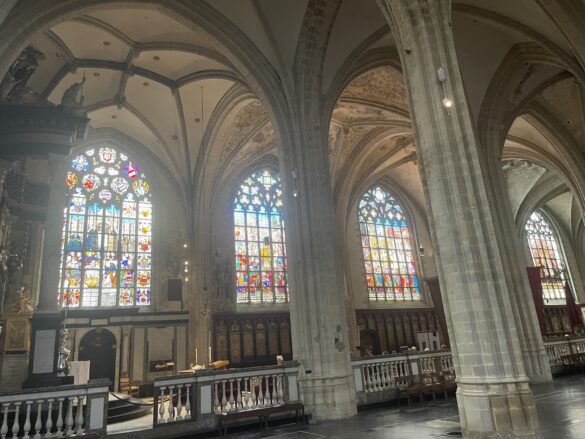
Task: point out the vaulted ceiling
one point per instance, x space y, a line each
160 78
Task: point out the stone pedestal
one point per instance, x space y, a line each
493 394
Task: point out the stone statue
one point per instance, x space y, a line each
65 348
14 88
72 99
24 303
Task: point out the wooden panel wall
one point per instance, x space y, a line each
396 328
251 340
556 321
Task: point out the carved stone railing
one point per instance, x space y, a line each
559 350
55 411
199 398
375 378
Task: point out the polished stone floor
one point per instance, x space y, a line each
561 409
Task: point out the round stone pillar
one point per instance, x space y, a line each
493 394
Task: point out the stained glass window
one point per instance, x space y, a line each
387 248
107 233
546 254
261 274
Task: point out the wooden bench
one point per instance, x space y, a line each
262 413
408 386
574 362
444 382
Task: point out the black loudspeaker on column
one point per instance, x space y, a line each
175 290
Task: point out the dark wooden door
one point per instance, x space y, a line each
99 348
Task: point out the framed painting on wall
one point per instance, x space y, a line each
17 334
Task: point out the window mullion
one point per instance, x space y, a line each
119 257
102 255
83 250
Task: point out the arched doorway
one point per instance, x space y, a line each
99 348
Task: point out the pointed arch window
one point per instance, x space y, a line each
260 257
389 262
106 254
546 254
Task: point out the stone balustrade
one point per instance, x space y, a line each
199 397
558 350
375 378
192 403
57 411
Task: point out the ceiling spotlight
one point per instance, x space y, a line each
185 245
107 43
156 58
175 137
145 84
447 103
186 262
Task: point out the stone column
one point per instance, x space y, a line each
317 306
46 321
536 362
493 394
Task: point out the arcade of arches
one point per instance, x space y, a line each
220 180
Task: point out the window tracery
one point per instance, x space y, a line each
106 258
389 262
546 254
260 255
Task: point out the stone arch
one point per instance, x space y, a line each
252 65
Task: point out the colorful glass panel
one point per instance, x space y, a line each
546 255
389 262
260 257
107 233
